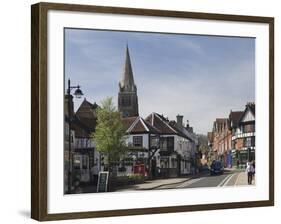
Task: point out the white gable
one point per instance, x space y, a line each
248 116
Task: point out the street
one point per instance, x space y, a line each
206 180
228 178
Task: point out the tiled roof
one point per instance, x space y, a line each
135 125
235 116
86 109
221 120
249 106
160 123
86 114
252 107
181 131
128 121
221 124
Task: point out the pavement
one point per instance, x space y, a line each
241 179
153 184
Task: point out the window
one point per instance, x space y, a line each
154 141
250 141
137 141
163 143
173 163
254 141
170 143
249 128
76 161
84 162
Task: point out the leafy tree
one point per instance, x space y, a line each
203 144
109 133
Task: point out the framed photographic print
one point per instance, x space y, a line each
141 111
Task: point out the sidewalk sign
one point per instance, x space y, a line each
102 181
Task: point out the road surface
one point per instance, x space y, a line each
229 178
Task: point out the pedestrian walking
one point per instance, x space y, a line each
250 172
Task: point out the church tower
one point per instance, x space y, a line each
127 96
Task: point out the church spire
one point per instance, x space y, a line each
127 96
127 80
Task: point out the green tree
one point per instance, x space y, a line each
203 144
109 135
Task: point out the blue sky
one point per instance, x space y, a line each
200 77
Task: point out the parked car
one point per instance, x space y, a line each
204 169
216 167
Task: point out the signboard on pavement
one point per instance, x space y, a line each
102 181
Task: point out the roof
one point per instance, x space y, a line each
128 121
180 130
221 120
86 114
251 107
135 125
160 123
235 117
81 130
86 109
127 80
220 124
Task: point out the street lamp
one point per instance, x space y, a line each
78 94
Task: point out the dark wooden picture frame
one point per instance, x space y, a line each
39 105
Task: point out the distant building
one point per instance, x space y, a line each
210 136
127 96
233 139
234 119
221 144
243 134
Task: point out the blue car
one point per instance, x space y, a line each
216 168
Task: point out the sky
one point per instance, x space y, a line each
199 77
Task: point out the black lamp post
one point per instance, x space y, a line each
78 93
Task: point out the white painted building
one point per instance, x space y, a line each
142 141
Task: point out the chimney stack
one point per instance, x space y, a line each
179 120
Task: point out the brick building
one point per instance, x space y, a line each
221 142
232 139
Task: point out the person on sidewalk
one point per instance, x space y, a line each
250 171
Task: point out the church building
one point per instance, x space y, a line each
127 96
